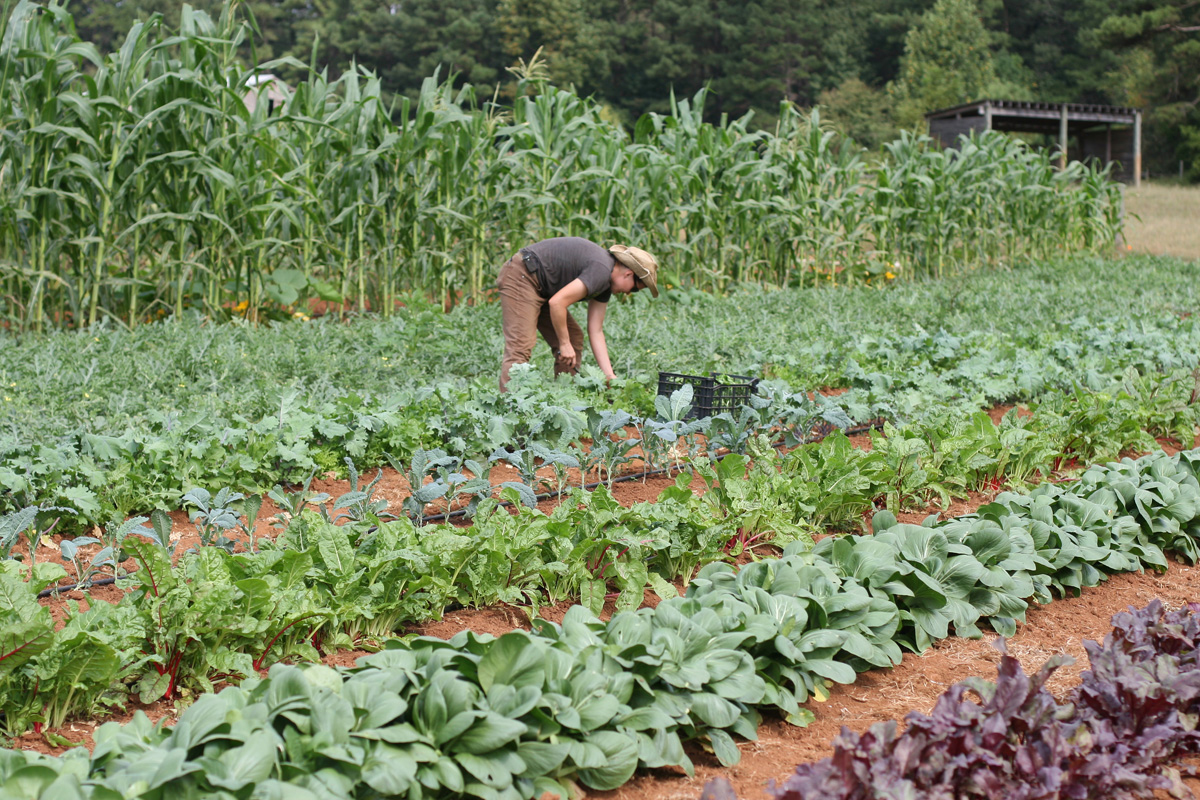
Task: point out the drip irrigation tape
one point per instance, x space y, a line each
67 587
633 476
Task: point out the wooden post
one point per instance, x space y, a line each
1062 138
987 116
1137 149
1108 144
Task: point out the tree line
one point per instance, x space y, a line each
874 66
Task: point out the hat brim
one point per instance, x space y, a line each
639 271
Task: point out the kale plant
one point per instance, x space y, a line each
213 516
292 504
359 504
611 445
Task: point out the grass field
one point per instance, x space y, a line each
1163 219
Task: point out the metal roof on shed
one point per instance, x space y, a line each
1080 112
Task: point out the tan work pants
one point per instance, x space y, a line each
524 313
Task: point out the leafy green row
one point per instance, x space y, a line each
103 477
994 335
84 422
589 701
321 586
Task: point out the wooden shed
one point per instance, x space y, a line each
1109 134
266 87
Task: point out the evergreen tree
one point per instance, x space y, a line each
562 30
458 36
1049 36
790 50
1165 36
884 25
751 55
947 61
1159 43
105 23
406 42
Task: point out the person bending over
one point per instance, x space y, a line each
539 283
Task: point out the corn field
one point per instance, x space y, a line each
138 184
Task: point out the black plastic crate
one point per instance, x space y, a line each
711 394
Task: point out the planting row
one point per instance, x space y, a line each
325 585
1119 733
337 196
320 586
117 423
102 477
589 701
987 337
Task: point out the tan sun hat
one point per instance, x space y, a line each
644 267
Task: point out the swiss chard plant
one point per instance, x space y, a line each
751 495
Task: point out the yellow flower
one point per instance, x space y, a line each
7 399
889 275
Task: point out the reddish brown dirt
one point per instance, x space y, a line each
392 487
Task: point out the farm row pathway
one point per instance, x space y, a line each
879 695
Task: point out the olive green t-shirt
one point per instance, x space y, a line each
557 262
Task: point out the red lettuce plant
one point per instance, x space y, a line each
1141 696
1133 713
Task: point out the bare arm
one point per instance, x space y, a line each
572 292
595 328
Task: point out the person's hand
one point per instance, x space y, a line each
609 377
567 357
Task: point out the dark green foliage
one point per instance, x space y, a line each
591 701
1160 70
632 53
947 61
